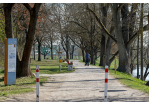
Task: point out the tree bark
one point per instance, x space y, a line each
44 56
108 49
67 47
123 59
132 18
34 52
102 51
51 50
72 51
8 19
67 54
141 27
39 51
26 71
92 56
83 55
125 23
125 33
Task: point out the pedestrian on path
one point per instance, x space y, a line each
87 59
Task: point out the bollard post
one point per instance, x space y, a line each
37 83
59 67
106 83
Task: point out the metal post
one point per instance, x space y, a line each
37 83
106 83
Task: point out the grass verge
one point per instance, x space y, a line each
130 81
23 84
126 79
50 67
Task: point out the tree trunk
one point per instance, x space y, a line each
95 55
23 67
34 52
125 23
141 27
104 19
123 59
92 56
67 54
125 34
108 49
39 52
44 56
72 50
83 56
138 56
8 19
67 47
19 66
51 50
131 28
91 41
133 19
26 71
70 55
102 51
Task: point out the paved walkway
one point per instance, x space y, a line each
86 84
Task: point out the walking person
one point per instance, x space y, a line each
87 56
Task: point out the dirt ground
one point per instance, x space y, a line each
86 84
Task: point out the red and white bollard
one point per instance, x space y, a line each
106 83
37 83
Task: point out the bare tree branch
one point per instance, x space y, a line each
145 28
102 25
79 25
120 6
27 6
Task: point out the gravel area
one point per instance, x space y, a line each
86 84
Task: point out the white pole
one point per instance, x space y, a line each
106 83
37 83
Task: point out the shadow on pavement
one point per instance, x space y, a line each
80 81
129 99
89 68
114 90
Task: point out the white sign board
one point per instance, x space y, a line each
12 57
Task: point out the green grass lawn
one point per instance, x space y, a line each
1 72
25 84
22 85
130 81
49 67
125 78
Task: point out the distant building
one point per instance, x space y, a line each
48 48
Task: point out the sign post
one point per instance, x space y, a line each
60 57
10 61
60 60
